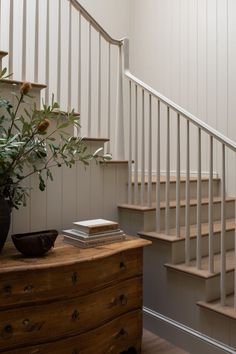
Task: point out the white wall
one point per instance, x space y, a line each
186 49
113 15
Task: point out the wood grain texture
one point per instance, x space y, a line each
71 298
65 255
72 272
33 324
121 334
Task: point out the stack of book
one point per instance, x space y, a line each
92 233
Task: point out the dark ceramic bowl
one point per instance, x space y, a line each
35 244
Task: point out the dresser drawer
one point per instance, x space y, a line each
114 337
36 324
68 280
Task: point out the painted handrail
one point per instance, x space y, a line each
95 24
189 116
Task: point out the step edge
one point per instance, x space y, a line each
17 82
147 208
174 239
222 311
176 267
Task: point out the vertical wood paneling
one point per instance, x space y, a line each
38 204
109 195
96 186
231 91
69 197
84 191
54 196
201 71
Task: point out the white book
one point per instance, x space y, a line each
92 243
82 236
96 226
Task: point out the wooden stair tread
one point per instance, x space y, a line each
173 179
230 226
117 162
3 54
193 202
58 112
16 82
203 272
95 139
226 310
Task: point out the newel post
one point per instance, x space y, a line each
120 133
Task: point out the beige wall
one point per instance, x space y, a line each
186 49
113 15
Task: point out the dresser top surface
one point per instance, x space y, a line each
64 254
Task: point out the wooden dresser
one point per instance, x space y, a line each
72 301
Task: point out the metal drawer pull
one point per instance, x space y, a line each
121 333
8 329
74 278
7 290
119 300
123 300
32 326
75 315
28 289
122 265
7 332
26 322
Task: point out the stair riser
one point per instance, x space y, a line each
134 221
213 286
193 191
175 294
178 248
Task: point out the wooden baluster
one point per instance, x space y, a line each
99 85
223 246
178 179
210 210
158 177
89 81
187 209
136 147
69 59
199 205
120 141
150 154
167 212
11 31
130 146
47 53
59 53
143 152
109 99
36 43
79 72
24 27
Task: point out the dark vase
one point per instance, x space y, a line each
5 220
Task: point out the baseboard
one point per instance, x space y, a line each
182 336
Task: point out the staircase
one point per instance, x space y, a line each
185 293
168 178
